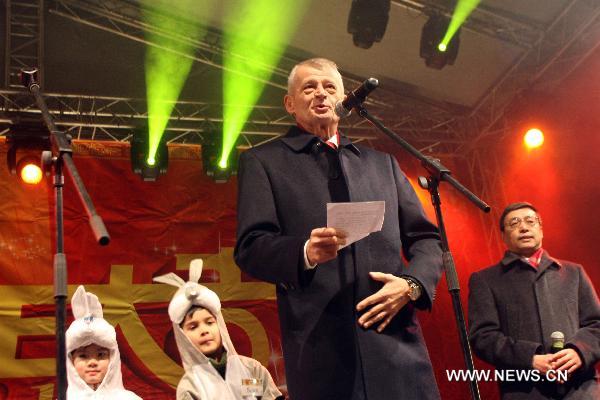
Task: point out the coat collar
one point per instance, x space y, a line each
511 260
299 140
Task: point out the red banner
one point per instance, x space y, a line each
158 227
155 228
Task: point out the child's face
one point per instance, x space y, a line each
91 363
202 329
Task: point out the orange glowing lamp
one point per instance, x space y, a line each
534 138
31 174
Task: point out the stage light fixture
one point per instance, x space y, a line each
367 21
534 138
437 54
218 169
149 168
26 142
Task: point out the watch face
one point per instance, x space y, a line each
412 294
413 290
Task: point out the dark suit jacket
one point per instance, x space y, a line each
513 310
283 190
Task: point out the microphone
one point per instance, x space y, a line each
558 341
28 77
558 344
343 108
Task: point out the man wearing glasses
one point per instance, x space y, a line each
516 305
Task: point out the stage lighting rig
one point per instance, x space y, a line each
211 156
149 170
26 141
367 21
435 54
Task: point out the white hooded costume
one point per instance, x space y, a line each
201 380
89 327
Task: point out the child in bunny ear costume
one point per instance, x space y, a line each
213 369
93 359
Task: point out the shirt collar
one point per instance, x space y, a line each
535 259
298 140
335 140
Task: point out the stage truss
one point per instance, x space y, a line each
550 53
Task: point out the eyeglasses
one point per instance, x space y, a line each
530 221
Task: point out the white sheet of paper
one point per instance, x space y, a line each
357 219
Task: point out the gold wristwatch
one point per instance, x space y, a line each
414 289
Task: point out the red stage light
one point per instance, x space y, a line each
534 138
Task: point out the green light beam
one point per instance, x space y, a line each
256 34
166 70
461 12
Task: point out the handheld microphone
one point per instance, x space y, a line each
344 107
558 341
558 344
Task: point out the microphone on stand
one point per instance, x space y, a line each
28 77
343 108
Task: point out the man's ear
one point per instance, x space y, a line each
288 101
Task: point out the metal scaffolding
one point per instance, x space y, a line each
24 38
115 118
549 54
429 125
493 22
565 44
442 129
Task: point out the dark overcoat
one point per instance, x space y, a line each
513 310
284 187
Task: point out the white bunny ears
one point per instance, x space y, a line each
89 325
85 304
190 293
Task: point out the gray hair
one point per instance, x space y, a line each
317 63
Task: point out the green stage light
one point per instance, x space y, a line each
256 34
148 168
436 53
463 9
214 167
168 62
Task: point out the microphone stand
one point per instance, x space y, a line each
57 159
440 173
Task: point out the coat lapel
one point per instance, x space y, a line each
547 284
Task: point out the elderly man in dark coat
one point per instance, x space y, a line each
347 316
516 305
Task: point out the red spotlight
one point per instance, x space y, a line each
534 138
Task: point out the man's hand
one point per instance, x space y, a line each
566 360
323 244
384 304
542 362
